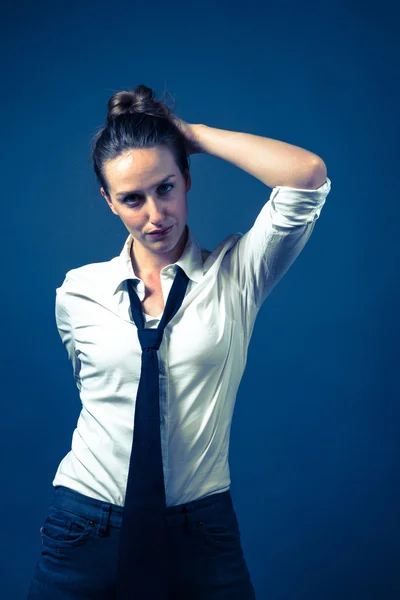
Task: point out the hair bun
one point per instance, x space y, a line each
139 100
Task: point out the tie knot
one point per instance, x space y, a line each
150 338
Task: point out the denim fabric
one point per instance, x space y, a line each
80 539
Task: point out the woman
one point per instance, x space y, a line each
155 420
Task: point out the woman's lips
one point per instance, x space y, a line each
162 233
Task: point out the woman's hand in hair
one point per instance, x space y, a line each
188 130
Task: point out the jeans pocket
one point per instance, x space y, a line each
63 527
220 530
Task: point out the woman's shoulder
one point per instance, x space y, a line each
91 274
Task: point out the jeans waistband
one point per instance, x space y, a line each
108 514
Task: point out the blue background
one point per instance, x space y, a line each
315 436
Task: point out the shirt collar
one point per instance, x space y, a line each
191 262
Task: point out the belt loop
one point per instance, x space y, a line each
186 523
105 515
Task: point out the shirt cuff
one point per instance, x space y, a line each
293 207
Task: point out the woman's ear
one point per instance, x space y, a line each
188 181
110 204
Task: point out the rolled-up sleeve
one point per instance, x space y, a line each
284 225
293 207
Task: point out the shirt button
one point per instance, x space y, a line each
161 419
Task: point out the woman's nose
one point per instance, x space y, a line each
156 215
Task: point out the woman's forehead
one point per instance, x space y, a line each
141 164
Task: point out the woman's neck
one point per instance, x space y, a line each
143 267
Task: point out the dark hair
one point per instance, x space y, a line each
136 120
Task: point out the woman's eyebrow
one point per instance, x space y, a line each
122 194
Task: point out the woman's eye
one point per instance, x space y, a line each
167 185
130 199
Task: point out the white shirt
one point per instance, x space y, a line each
202 356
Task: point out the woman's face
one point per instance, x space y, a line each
145 203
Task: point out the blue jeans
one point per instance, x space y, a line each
80 540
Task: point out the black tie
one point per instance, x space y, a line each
142 557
